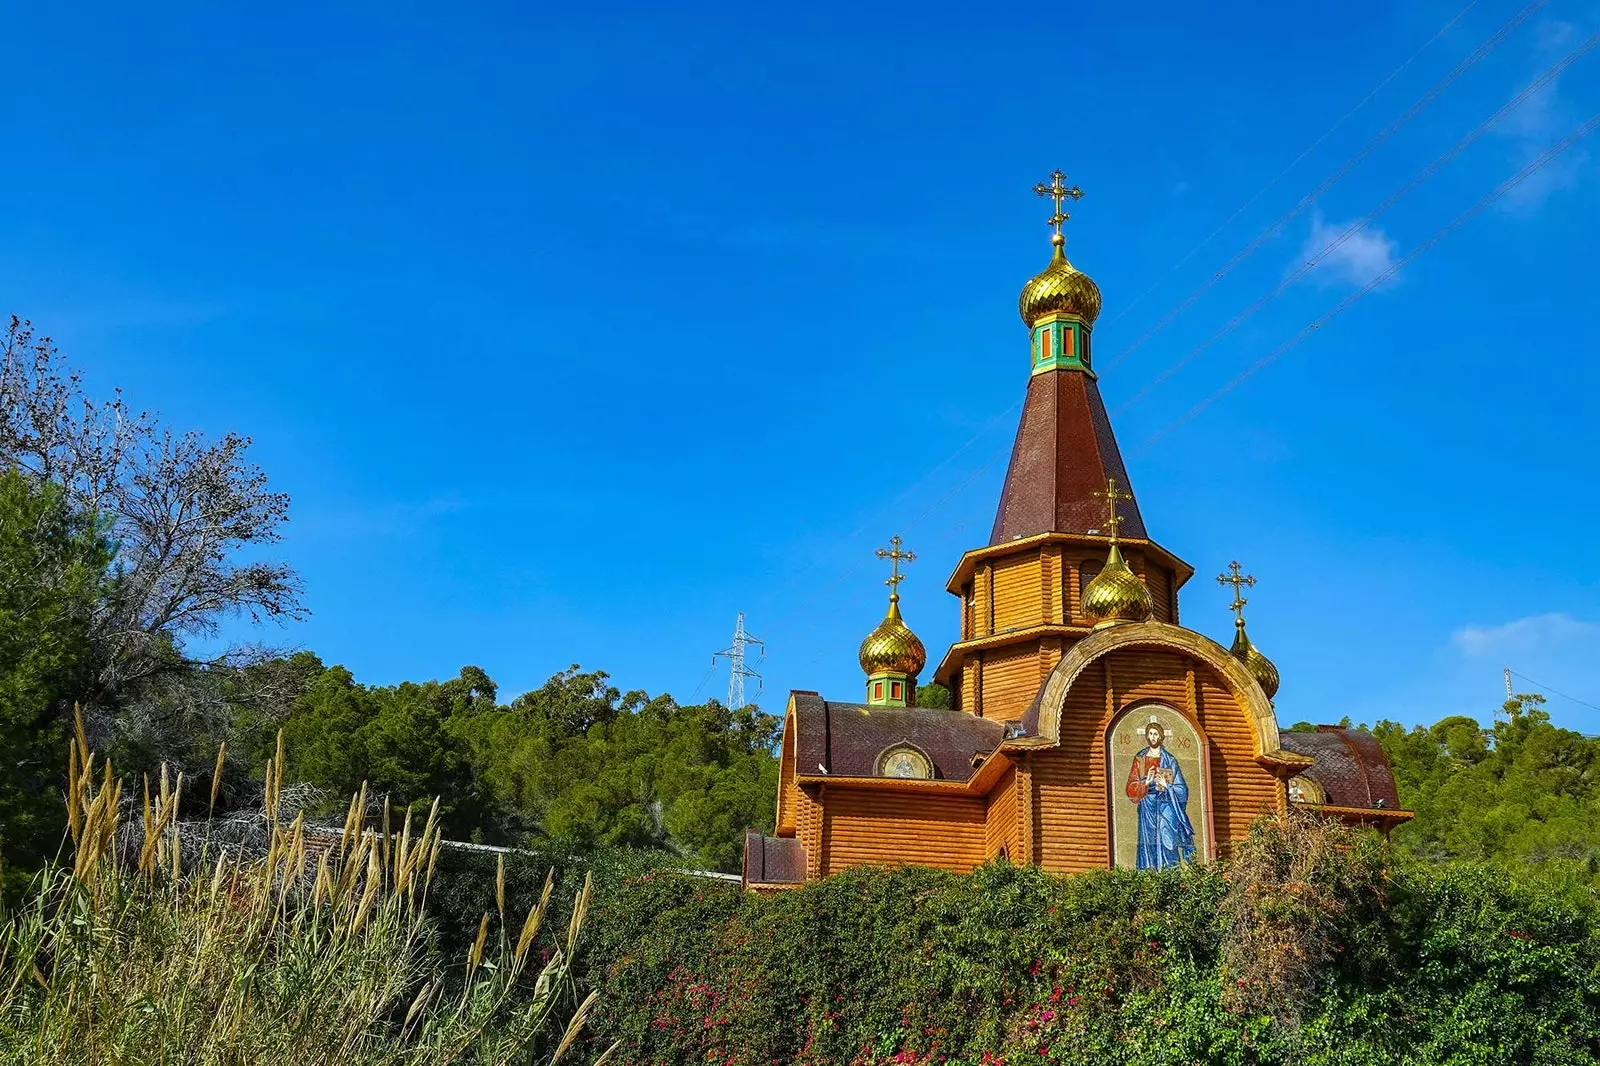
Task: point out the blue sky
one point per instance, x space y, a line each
574 331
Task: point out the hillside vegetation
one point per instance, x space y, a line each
1308 948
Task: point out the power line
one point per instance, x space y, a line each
1433 93
1300 271
1313 146
1553 691
1444 231
1350 301
1438 88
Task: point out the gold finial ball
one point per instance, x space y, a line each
892 647
1261 668
1060 288
1116 594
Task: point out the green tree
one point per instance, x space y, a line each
1523 795
52 579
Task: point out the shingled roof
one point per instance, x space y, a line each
846 739
773 860
1064 453
1350 767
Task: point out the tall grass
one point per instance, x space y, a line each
133 952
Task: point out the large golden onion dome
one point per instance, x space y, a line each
1260 667
1060 288
1116 594
892 647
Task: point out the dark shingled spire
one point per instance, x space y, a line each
1064 453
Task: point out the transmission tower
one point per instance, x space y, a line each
739 669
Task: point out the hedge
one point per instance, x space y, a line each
1307 948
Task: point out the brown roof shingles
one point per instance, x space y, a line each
1064 453
846 739
1350 766
773 860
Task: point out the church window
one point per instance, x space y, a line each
1087 573
877 690
1304 790
904 760
1044 337
1068 335
894 690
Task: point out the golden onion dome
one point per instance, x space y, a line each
1116 594
1260 667
892 647
1060 288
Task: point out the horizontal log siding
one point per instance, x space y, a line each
1241 790
1069 783
1018 596
1001 825
808 816
1159 581
892 827
1011 678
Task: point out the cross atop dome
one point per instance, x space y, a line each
1058 191
1112 498
1239 583
895 556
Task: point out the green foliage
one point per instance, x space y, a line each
933 694
283 958
1010 964
574 762
1523 795
52 573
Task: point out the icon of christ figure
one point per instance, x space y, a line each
1156 784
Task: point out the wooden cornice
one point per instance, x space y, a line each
1015 635
1182 571
1376 815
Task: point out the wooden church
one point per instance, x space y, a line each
1088 728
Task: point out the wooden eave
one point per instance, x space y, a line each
1285 764
1392 816
963 573
959 650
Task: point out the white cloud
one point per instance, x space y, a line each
1525 636
1537 124
1346 252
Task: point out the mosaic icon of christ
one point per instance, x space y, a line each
1156 784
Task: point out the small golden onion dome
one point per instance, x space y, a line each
1060 288
892 647
1259 665
1116 594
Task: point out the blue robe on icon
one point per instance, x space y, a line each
1166 836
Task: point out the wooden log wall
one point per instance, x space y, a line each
871 826
1003 819
1018 599
1241 790
1011 678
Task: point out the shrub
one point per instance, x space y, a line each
293 957
1306 948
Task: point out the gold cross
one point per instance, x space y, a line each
1058 191
895 555
1239 582
1112 498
